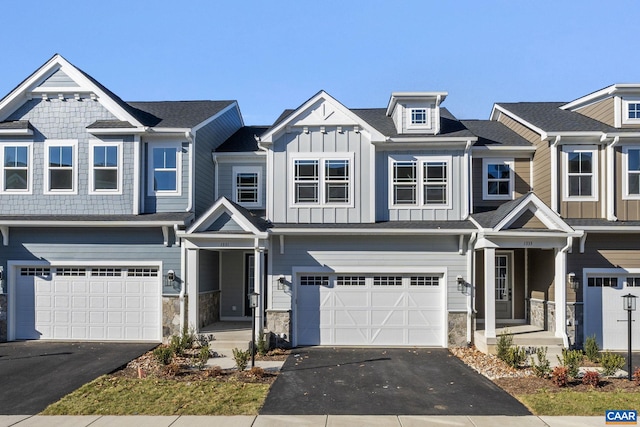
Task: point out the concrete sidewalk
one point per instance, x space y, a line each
297 420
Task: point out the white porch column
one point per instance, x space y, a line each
193 288
560 288
489 292
258 287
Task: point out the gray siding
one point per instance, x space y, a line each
365 253
209 274
225 223
225 178
207 139
92 244
420 213
55 119
59 79
332 141
168 203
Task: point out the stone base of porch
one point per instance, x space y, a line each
528 336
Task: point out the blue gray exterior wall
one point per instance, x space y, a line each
208 138
68 119
225 176
167 203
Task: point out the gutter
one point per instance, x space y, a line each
471 302
191 190
554 174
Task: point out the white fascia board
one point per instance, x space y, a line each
84 224
551 233
181 131
608 229
480 152
543 134
267 139
623 135
369 231
221 236
437 97
16 132
223 204
607 91
117 131
231 106
249 156
427 140
577 134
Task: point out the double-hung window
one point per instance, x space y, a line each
105 163
164 169
325 180
247 188
631 172
61 166
420 181
497 182
581 177
631 111
16 173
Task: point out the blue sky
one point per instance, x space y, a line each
273 55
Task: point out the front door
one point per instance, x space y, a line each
504 287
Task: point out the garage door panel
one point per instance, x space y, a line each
387 318
351 317
88 305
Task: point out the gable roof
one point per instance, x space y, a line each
243 140
177 114
491 132
248 222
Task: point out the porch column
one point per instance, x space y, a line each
560 288
193 288
258 287
490 292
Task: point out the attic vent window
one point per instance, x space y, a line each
419 116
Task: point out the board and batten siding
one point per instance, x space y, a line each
208 138
387 212
602 111
68 119
367 253
297 142
102 245
167 203
541 159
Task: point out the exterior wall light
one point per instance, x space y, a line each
462 285
573 281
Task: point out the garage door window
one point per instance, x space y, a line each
425 281
350 281
35 271
387 281
142 272
600 282
71 271
314 280
106 272
633 282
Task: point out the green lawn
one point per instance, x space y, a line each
579 403
151 396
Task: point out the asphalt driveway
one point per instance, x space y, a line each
34 374
360 381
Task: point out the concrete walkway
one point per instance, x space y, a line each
297 420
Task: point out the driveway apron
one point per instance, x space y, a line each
34 374
373 381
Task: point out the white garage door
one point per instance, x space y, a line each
88 303
380 310
604 315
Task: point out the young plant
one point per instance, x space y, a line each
541 366
163 355
571 359
203 356
611 363
591 349
504 343
176 345
241 357
262 346
560 376
591 378
516 356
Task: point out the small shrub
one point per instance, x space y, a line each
515 357
560 376
504 343
591 349
187 338
203 356
591 378
541 366
262 346
257 372
176 345
163 355
571 359
610 363
636 376
241 357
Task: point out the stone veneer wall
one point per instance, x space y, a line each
3 317
279 323
457 330
537 313
574 324
171 316
208 308
551 316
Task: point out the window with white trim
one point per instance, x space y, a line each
631 111
247 186
420 181
418 118
61 166
105 160
497 179
165 169
326 180
580 173
16 172
631 172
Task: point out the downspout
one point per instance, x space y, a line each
468 209
183 285
471 289
192 147
561 323
554 174
611 176
215 171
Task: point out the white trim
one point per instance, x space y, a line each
120 156
625 173
595 166
73 143
509 253
420 162
16 132
258 170
150 168
370 231
30 168
427 110
322 158
500 109
209 217
510 162
137 176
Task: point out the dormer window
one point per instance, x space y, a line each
419 117
633 110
